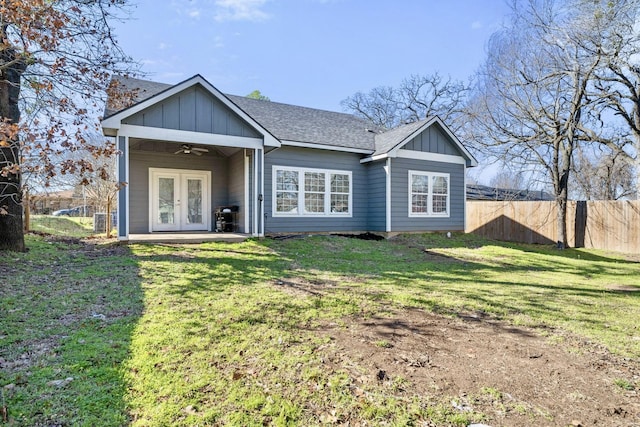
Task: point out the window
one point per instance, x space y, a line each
311 192
428 194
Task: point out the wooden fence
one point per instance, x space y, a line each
609 225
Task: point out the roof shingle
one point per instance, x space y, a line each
294 123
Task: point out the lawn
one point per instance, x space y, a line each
250 333
62 225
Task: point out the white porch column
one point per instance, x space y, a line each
258 193
123 194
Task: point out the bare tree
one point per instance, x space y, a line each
416 98
56 61
617 83
530 102
508 179
603 175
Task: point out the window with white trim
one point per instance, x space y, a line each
311 192
428 194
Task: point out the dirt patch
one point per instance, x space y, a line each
513 375
625 289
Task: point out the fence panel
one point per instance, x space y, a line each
609 225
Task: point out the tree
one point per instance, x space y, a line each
56 61
507 179
102 189
531 103
617 83
416 98
257 95
604 175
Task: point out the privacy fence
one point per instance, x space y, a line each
609 225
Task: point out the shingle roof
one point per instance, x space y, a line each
284 121
386 141
294 123
302 124
141 89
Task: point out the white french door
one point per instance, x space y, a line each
179 200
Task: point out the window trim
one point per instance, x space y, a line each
429 213
301 193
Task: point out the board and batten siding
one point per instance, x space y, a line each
236 187
141 161
318 159
195 110
433 140
377 196
400 220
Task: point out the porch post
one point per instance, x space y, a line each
262 196
247 191
258 193
123 193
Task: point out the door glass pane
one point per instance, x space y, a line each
194 201
166 206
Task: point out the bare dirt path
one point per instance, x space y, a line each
513 375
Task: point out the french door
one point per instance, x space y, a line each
179 200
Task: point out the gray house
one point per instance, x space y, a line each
193 157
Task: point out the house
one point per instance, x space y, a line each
189 151
485 192
47 202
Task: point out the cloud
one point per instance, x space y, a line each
240 10
476 25
163 46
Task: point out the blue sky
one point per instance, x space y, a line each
313 53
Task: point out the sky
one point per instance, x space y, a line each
313 53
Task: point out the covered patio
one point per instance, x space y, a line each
188 237
186 154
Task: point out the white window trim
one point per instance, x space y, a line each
301 193
429 214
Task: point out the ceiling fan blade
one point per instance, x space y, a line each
197 153
179 151
203 150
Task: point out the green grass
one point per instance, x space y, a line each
211 334
62 225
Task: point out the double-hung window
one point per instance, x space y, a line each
428 194
311 192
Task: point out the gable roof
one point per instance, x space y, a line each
389 142
297 125
140 89
309 125
158 94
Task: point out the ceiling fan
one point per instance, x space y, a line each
190 149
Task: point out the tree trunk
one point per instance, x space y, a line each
11 229
26 202
561 202
108 219
562 224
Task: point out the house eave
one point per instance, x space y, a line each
188 137
111 125
375 158
325 147
471 160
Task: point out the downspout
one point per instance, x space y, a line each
387 169
464 200
261 197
